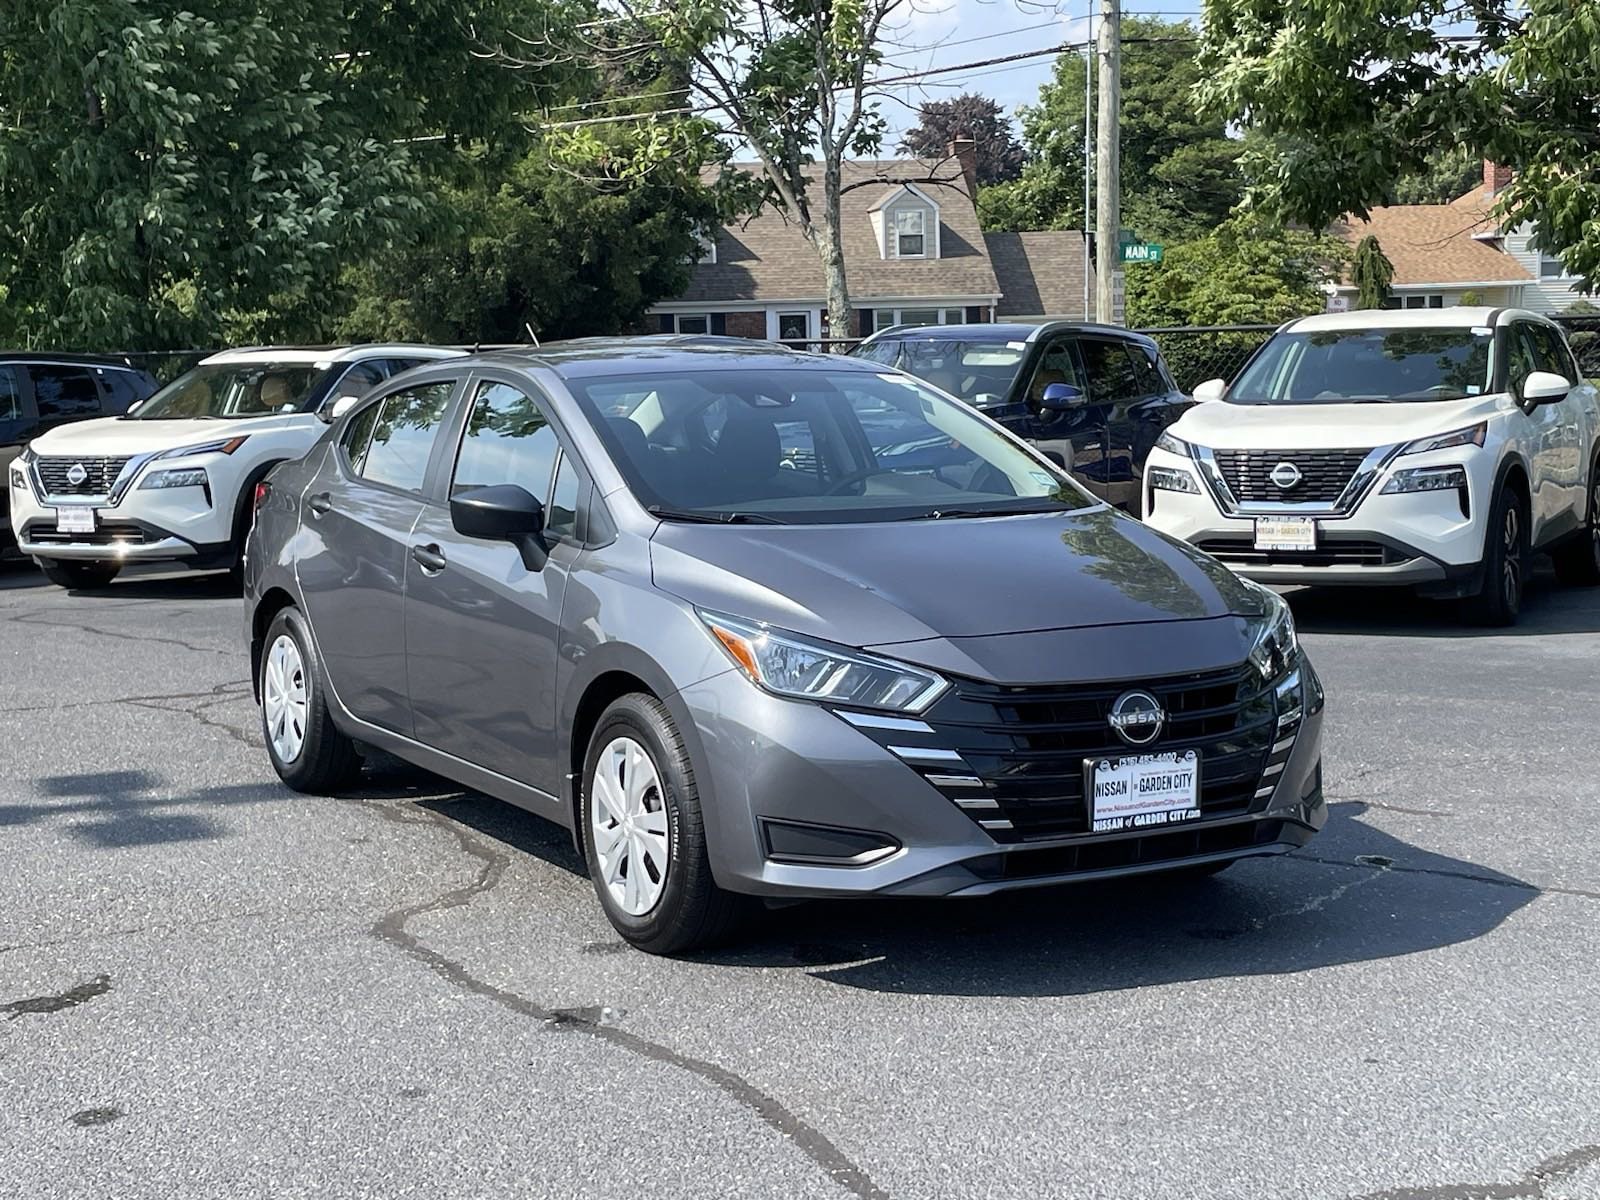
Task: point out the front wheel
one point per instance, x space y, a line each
644 833
78 575
1578 560
1505 563
307 749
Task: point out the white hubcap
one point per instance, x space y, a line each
283 699
628 826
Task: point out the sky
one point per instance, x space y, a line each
938 33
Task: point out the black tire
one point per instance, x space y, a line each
691 911
1505 563
327 762
1577 560
79 575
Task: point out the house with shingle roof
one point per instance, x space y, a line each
1448 254
914 255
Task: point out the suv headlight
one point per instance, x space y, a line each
1174 445
790 665
1274 648
1472 435
225 446
178 477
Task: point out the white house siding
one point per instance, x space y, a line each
1541 295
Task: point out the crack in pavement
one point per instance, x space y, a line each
39 619
391 928
80 994
219 691
165 927
1532 1185
244 737
1386 865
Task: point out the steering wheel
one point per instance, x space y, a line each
857 476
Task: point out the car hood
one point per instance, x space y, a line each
909 581
115 436
1226 426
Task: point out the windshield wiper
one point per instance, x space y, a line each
710 518
956 514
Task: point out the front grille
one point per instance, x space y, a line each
1324 474
100 475
108 533
1242 552
1013 757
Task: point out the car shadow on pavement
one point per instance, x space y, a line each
1357 894
18 573
1547 608
118 810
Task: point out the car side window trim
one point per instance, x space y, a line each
440 436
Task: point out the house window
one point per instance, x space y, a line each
882 318
794 327
1416 300
910 229
707 243
1551 267
696 323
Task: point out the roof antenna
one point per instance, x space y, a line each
532 336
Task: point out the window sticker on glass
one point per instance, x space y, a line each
1041 478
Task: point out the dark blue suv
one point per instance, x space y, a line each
1092 397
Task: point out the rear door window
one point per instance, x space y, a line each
402 436
1110 370
62 393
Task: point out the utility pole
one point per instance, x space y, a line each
1107 166
1088 167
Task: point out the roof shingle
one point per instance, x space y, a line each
1434 243
1040 273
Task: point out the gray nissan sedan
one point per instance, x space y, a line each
754 623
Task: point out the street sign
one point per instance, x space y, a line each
1141 251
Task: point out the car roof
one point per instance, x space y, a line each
1459 317
1002 331
50 356
330 354
651 353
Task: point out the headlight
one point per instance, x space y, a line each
1472 435
1274 649
790 665
1174 445
19 476
225 446
1167 480
1426 479
178 477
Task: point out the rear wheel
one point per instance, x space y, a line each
76 575
1578 559
307 749
1505 563
644 835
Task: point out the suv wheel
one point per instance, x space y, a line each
1578 560
307 749
1505 563
644 836
76 575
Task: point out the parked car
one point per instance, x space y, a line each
39 391
670 597
1094 398
1434 449
171 480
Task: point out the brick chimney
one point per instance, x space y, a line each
1495 177
965 151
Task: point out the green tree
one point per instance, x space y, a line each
168 176
1349 98
1179 168
968 115
1447 174
1371 272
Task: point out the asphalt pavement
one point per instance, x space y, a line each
213 987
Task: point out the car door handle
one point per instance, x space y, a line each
320 504
429 558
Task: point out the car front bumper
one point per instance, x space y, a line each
799 803
149 525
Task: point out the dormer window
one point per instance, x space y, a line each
910 232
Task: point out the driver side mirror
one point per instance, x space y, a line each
336 408
1062 397
503 513
1209 391
1544 387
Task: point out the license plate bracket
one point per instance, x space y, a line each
75 520
1286 533
1141 791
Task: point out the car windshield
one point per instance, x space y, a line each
231 390
808 445
1346 366
980 373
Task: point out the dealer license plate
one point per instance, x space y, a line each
1144 790
74 520
1286 533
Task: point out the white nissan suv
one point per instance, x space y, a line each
173 478
1434 448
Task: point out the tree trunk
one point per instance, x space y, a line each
830 247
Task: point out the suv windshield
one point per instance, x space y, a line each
978 372
813 446
1346 366
231 390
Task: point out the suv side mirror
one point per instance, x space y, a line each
336 408
1210 390
506 512
1544 387
1062 397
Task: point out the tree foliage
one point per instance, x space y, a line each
1349 97
1448 173
1179 167
1371 272
968 115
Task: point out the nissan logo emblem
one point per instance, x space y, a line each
1137 717
1285 475
77 474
